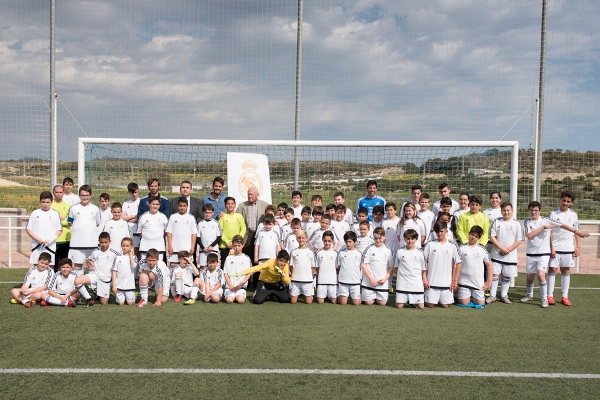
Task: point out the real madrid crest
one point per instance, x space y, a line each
249 178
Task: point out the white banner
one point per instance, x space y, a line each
245 170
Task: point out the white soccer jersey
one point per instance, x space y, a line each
409 264
187 274
208 232
363 242
418 225
298 211
348 262
376 224
44 224
340 228
130 207
348 217
212 279
267 242
162 276
72 198
449 236
472 268
275 228
539 245
326 262
311 228
62 285
436 207
316 239
237 264
493 214
378 260
152 228
456 215
35 278
183 228
356 229
302 261
440 258
562 239
104 261
118 230
290 243
391 240
506 232
125 272
428 219
84 221
286 230
105 216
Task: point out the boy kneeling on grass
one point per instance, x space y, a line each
35 283
273 280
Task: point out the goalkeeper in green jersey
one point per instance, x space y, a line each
273 280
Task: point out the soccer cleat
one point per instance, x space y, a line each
29 304
551 301
491 299
43 303
14 301
544 303
505 300
526 299
565 301
71 304
142 303
190 301
89 302
177 298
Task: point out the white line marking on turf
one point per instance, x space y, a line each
250 371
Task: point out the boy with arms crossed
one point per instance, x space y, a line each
61 290
349 271
375 262
302 269
209 235
44 227
471 282
83 219
235 265
181 232
443 268
100 265
123 274
183 274
410 268
506 235
35 283
151 227
154 272
325 260
117 228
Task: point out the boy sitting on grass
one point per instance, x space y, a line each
213 279
185 285
36 281
154 272
61 291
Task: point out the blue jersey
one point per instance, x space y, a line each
368 203
218 205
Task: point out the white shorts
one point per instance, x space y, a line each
410 298
537 263
506 270
77 272
35 254
102 288
304 288
329 291
562 260
367 294
78 256
353 290
125 296
219 292
202 258
229 293
467 293
435 296
158 284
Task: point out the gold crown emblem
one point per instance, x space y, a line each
249 165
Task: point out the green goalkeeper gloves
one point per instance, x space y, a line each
234 274
279 270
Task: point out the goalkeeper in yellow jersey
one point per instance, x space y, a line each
273 280
471 218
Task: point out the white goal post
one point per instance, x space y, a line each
477 167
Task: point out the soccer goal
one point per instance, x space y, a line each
314 167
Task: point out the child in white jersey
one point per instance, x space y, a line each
267 243
375 262
154 272
443 268
471 282
325 260
315 241
181 232
302 268
338 198
61 290
123 274
117 228
105 211
506 235
426 215
35 283
83 218
183 277
44 227
339 224
235 264
349 272
410 267
130 209
364 235
290 243
378 212
209 235
151 227
410 220
213 279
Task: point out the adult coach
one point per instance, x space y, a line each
153 189
194 204
370 200
253 211
216 198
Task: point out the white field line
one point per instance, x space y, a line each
251 371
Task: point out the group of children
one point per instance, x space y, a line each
452 254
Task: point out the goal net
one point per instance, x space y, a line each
322 167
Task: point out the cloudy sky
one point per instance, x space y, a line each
371 70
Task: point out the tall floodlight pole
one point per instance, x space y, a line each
53 161
537 179
298 84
